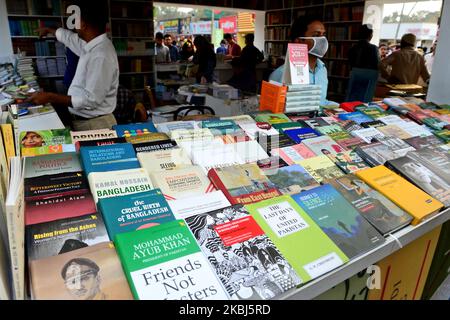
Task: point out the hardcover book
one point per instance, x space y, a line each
281 127
372 112
146 138
391 119
298 135
444 135
323 145
373 124
269 143
41 211
378 210
423 142
245 259
184 208
394 131
414 130
357 117
398 146
134 212
376 154
33 140
292 179
97 143
294 154
272 118
109 158
348 161
165 262
132 130
368 135
335 132
339 220
315 123
255 129
404 194
351 143
164 160
52 164
182 183
93 135
168 127
243 184
350 126
321 168
57 237
154 146
299 239
91 273
221 127
119 183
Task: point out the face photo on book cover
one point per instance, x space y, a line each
36 139
250 269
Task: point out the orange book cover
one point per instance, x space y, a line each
273 97
404 194
404 273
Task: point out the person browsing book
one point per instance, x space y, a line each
92 95
310 31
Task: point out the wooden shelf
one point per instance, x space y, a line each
33 16
344 3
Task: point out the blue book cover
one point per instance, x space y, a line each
298 135
357 117
114 157
221 127
339 220
135 129
135 212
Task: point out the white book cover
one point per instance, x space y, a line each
296 67
185 208
323 145
164 160
392 119
216 157
182 135
168 127
367 134
119 183
414 129
243 119
93 135
254 129
249 151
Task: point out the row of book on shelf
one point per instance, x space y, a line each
245 207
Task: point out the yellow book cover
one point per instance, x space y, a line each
8 140
4 168
404 273
404 194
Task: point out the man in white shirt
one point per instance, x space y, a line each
92 96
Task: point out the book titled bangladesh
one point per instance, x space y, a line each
136 129
292 179
298 135
378 210
90 273
301 241
321 168
93 135
247 262
339 220
356 116
57 237
348 161
119 183
134 212
165 262
34 140
323 145
154 146
109 158
243 184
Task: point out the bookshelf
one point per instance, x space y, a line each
342 20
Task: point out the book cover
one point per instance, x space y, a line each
428 177
373 124
376 154
273 97
119 183
391 119
170 159
299 239
221 127
335 132
245 259
97 143
34 140
52 164
423 142
168 127
134 212
372 112
436 159
109 158
323 145
294 154
281 127
154 146
165 262
378 210
272 118
41 211
209 157
397 145
321 168
435 123
93 135
131 130
404 194
54 149
414 130
350 143
315 122
148 137
298 135
55 185
242 119
356 116
404 273
444 135
268 143
255 129
339 220
184 208
350 126
243 184
292 179
8 140
368 135
91 273
57 237
182 183
296 68
274 162
348 161
182 135
394 131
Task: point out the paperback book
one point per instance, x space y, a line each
294 154
132 130
348 161
323 145
298 135
154 146
321 168
170 159
291 179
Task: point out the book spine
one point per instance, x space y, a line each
8 140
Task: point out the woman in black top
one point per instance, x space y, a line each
205 58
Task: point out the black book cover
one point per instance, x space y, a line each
53 238
373 124
154 146
103 142
273 142
378 210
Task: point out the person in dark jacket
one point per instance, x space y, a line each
205 58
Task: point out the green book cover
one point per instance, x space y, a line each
287 125
165 262
444 135
272 118
306 247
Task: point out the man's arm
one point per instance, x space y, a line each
424 70
71 40
41 98
384 64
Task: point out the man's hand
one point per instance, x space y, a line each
40 98
43 32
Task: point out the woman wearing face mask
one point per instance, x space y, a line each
310 31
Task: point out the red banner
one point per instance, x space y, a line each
228 24
238 231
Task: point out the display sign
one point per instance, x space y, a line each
169 26
228 24
203 27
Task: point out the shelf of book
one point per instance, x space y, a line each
393 243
